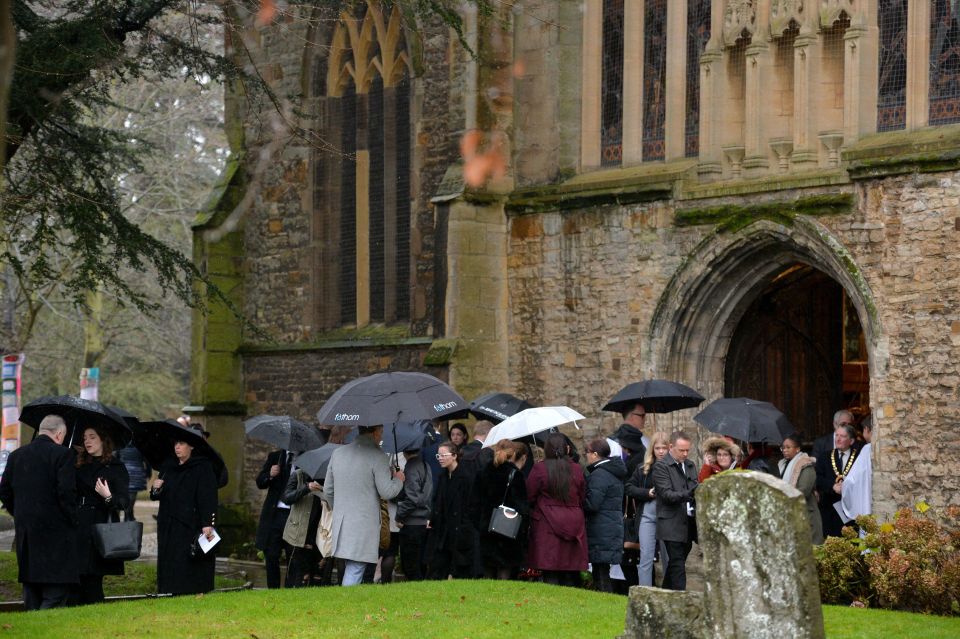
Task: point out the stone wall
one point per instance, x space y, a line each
297 382
586 285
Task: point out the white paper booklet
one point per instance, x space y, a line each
207 544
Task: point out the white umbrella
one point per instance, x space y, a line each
531 421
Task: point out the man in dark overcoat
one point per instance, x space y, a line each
831 469
39 488
273 516
674 481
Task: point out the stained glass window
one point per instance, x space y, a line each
654 78
611 97
892 65
944 61
698 33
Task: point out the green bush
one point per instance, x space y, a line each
911 563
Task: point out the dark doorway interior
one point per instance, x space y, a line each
800 346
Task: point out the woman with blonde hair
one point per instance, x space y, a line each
502 482
640 487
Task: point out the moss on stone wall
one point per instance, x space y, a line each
441 352
732 217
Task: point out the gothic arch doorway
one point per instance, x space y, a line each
800 346
730 322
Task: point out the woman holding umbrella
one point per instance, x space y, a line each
101 491
187 491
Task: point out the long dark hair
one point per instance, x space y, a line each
556 458
83 457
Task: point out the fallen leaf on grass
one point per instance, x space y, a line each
463 598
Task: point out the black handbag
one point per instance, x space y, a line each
505 520
118 540
631 531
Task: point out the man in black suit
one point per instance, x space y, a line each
824 444
273 516
39 488
831 470
674 481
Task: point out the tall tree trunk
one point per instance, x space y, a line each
93 329
8 41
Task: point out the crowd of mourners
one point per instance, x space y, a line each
625 504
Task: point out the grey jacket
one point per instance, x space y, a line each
358 477
413 505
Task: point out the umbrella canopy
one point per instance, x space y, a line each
401 436
314 462
156 439
656 395
385 398
283 432
530 422
746 419
78 414
497 407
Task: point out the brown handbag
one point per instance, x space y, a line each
384 525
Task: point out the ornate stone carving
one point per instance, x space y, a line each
362 48
739 17
783 12
830 10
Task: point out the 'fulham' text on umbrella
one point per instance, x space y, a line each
444 406
345 417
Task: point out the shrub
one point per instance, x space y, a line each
911 563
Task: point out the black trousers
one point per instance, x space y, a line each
43 596
601 577
275 546
302 567
675 576
413 540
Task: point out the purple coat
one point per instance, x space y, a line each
558 538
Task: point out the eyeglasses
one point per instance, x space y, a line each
442 455
639 414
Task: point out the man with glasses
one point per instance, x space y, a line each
634 444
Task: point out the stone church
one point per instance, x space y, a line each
753 197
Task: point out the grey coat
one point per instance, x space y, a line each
358 477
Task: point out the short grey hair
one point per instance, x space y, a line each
840 414
849 430
53 424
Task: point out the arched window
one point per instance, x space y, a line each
698 34
362 179
611 97
944 61
892 65
654 78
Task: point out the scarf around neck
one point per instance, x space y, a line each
790 473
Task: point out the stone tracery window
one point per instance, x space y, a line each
611 108
654 78
892 65
362 185
698 34
944 61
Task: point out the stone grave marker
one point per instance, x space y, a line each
759 571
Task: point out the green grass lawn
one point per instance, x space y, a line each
423 610
140 579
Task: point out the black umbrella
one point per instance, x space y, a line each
314 462
385 398
78 414
401 436
283 432
656 395
496 407
746 419
156 439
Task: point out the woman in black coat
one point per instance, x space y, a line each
102 483
454 519
187 491
602 507
503 556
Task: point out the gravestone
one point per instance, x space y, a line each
759 572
